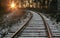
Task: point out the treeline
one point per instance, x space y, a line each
53 11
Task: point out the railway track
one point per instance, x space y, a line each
30 29
36 26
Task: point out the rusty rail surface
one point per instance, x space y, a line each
49 33
20 30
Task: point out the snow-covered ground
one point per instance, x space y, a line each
11 25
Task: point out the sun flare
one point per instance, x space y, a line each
12 5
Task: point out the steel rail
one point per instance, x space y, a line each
49 33
20 29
